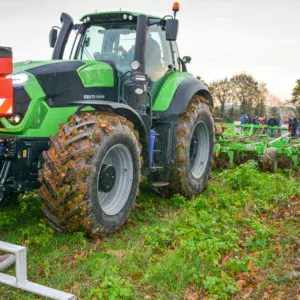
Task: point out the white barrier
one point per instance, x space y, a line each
21 282
284 129
237 130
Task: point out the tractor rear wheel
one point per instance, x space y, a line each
193 152
91 174
270 160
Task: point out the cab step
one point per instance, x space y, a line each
157 167
159 184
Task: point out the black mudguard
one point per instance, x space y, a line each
165 123
186 90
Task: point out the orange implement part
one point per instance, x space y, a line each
6 87
5 66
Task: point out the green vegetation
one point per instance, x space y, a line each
238 237
229 127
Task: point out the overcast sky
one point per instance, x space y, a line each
223 37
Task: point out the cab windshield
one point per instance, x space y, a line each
113 42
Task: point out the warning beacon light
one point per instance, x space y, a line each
6 85
175 8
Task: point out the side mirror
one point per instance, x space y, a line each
53 37
171 29
186 59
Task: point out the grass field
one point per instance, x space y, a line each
239 239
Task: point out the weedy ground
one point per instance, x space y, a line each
239 239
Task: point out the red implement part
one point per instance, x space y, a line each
6 86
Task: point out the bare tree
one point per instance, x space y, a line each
273 103
221 92
245 91
296 97
260 100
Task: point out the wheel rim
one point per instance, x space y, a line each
112 201
199 150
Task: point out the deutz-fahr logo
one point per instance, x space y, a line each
93 97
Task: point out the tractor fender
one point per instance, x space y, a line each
127 112
187 89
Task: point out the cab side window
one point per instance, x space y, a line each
158 53
93 43
126 48
176 55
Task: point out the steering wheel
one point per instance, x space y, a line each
110 56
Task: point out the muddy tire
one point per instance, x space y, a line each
91 174
194 150
270 160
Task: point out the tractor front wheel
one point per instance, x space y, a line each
91 174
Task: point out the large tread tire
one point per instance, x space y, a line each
181 179
69 177
270 160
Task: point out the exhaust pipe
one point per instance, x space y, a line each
140 56
140 42
67 26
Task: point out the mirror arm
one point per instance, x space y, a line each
168 16
184 69
155 22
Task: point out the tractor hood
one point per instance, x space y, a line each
91 73
62 82
27 65
44 93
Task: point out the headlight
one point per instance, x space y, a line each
19 79
139 91
135 65
15 119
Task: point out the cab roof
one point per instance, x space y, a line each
116 13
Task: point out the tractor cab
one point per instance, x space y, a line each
113 37
116 42
134 44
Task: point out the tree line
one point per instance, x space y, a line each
242 93
296 97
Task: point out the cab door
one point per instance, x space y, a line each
161 55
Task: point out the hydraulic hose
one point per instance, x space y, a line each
6 261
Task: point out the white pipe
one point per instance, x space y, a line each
7 261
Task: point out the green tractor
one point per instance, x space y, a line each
84 130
